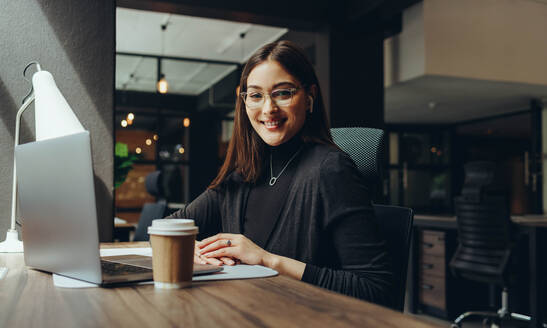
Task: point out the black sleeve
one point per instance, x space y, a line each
360 266
204 210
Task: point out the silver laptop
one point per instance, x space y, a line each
58 214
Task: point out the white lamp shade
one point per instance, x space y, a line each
54 117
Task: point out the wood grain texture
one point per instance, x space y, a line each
29 298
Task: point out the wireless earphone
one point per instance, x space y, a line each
311 103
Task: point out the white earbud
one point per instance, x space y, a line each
311 103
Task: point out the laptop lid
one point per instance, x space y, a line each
57 206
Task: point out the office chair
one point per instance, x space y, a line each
396 224
485 238
151 211
365 146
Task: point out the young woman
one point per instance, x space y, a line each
286 197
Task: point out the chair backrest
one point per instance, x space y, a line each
365 146
150 211
484 225
484 236
396 224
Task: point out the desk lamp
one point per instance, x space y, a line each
53 118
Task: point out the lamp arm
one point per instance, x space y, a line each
23 107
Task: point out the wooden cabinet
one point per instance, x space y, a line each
436 291
432 268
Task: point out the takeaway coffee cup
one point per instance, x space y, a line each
172 243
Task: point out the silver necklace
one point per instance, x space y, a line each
274 179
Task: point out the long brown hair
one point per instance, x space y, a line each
246 148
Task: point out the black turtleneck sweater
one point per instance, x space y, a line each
265 202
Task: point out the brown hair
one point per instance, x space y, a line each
246 148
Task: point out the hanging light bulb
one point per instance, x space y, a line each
162 84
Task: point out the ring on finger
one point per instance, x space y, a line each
228 243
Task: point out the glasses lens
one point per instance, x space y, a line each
254 99
282 97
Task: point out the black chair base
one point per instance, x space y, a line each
493 319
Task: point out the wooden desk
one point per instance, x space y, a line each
534 226
29 298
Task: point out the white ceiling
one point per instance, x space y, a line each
140 32
438 99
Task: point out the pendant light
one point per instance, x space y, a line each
162 86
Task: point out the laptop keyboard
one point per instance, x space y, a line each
113 268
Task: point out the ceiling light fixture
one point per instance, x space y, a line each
162 85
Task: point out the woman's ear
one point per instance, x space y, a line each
313 91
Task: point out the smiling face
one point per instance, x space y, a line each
276 124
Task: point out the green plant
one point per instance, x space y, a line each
123 163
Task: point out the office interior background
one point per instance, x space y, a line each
447 98
449 81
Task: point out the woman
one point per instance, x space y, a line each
286 197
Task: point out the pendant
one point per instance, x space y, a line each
272 181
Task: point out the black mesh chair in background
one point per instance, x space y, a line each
485 238
151 211
366 147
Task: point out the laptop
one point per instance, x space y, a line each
59 215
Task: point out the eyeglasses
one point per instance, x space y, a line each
281 98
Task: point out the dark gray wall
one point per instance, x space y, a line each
75 41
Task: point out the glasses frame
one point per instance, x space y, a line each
293 91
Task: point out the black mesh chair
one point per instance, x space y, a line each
366 147
151 211
485 238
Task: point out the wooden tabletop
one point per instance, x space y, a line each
124 226
29 298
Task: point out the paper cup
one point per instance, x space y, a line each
172 243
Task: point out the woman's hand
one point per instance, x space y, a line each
200 259
239 248
233 246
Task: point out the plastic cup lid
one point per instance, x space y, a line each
173 227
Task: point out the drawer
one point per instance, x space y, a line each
432 243
432 266
432 292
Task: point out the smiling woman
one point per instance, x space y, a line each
286 197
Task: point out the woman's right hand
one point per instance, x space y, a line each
199 259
